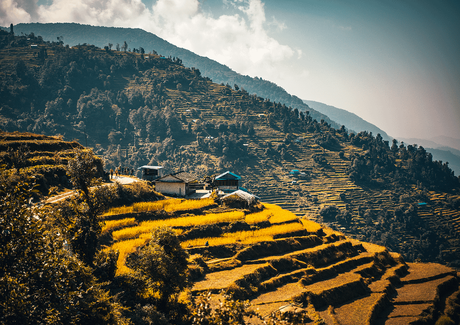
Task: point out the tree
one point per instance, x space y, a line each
18 157
110 46
40 280
125 46
85 229
82 169
163 265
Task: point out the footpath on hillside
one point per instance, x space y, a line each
123 180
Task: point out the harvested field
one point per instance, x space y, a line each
409 310
424 271
358 311
221 280
335 279
414 293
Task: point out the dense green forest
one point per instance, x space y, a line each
75 34
137 107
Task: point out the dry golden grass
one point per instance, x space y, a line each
409 310
170 205
281 294
114 224
223 279
127 247
279 214
142 207
358 311
341 279
419 271
245 237
310 226
189 205
261 216
417 293
148 226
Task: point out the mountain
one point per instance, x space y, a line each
136 109
352 121
447 142
74 34
445 154
442 148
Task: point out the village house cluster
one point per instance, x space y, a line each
183 184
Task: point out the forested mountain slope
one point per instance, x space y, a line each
134 109
74 34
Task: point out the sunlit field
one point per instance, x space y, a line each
246 237
148 226
170 205
114 224
128 234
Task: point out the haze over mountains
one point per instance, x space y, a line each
352 121
442 148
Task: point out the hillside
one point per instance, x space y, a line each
353 122
280 262
74 34
90 259
136 109
43 157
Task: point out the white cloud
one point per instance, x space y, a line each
14 12
239 40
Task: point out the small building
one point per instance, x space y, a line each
177 184
294 172
227 182
151 173
239 199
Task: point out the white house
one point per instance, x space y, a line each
150 173
175 184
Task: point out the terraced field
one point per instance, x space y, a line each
280 262
45 157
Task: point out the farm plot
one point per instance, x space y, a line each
274 259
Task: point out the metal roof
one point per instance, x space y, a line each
241 194
180 176
151 167
228 175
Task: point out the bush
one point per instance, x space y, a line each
329 213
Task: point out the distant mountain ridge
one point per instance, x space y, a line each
74 34
442 148
352 121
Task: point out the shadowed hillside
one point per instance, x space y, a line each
74 34
135 108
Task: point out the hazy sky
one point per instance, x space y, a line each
395 63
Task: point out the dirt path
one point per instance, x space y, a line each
123 180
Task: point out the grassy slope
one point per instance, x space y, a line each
344 281
44 157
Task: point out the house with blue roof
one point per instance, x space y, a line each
227 182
